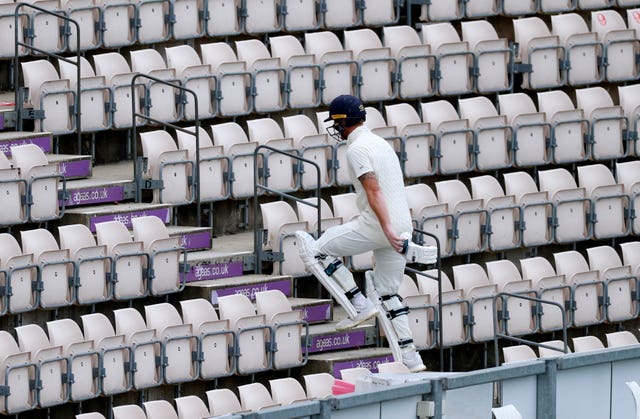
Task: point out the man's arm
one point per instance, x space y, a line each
371 187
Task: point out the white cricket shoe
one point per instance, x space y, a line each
365 313
412 360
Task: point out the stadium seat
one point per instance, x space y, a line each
571 205
49 97
622 338
337 65
445 10
20 273
261 17
92 415
376 66
345 207
255 396
586 344
631 255
569 128
118 29
351 375
223 401
92 263
84 359
393 368
87 16
45 27
531 130
216 339
628 174
503 213
197 76
620 44
455 59
492 56
421 313
479 292
187 19
454 141
286 391
469 223
16 370
536 211
288 328
380 13
191 407
506 412
300 16
160 409
268 76
115 355
594 4
629 97
146 349
481 8
128 411
556 6
415 63
236 146
518 353
152 26
318 385
552 353
518 7
57 270
280 223
251 330
550 287
540 53
339 14
492 136
309 214
303 74
222 17
430 215
7 30
13 189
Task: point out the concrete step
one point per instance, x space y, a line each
90 216
227 257
72 166
334 362
108 183
315 311
229 281
324 337
192 238
9 139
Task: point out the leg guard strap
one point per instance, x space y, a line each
403 343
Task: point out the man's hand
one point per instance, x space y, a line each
371 187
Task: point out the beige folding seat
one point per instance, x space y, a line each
518 7
198 77
587 344
621 45
556 6
52 365
631 255
518 353
255 396
380 13
313 146
521 318
303 74
414 60
318 385
115 354
86 14
251 330
351 375
503 213
261 17
540 53
569 128
338 66
607 123
212 184
454 141
179 345
129 261
159 99
583 51
288 328
268 75
554 349
393 368
191 407
48 96
167 165
633 18
421 313
92 263
117 19
479 292
469 216
619 281
153 27
166 254
481 8
445 10
222 17
338 14
17 369
223 401
233 79
278 169
550 287
20 273
492 135
629 99
280 222
13 189
44 29
344 207
536 208
238 149
95 95
506 412
455 59
118 76
375 65
285 391
609 204
430 215
83 358
57 271
418 157
628 174
188 22
300 16
216 339
492 56
375 122
160 409
455 330
587 288
530 129
128 411
146 349
309 214
92 415
622 338
571 205
7 29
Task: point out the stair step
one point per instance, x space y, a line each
334 362
227 257
192 238
229 282
72 166
9 139
314 310
108 183
90 216
325 338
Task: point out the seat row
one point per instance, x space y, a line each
71 363
111 24
44 274
535 298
